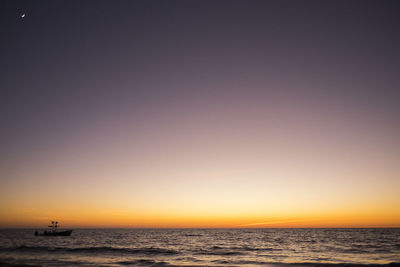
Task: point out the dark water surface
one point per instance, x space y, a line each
201 247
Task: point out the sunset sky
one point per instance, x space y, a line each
200 113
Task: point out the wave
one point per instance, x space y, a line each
232 251
8 264
192 235
94 250
245 248
220 251
34 262
144 262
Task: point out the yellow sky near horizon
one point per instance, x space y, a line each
216 196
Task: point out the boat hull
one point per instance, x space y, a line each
51 233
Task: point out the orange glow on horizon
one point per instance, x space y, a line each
125 219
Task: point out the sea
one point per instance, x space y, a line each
202 247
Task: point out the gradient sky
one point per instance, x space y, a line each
200 113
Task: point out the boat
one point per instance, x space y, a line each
54 231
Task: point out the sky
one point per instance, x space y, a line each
200 113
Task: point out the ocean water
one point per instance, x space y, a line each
202 247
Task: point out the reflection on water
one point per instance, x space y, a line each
201 247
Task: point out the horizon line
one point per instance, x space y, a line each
105 227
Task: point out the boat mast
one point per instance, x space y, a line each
54 226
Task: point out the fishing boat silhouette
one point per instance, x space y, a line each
54 231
